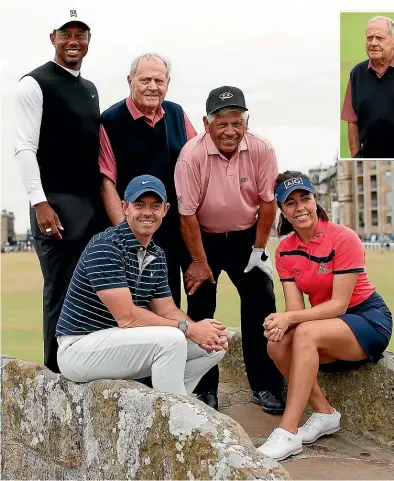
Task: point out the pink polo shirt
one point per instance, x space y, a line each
333 250
107 159
348 113
225 194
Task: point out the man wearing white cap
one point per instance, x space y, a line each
56 147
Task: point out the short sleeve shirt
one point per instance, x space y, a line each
333 250
113 259
225 194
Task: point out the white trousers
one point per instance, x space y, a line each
175 363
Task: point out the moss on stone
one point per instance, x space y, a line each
165 460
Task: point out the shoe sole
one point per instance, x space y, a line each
327 433
273 411
297 451
268 411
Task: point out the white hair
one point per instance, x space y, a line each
226 110
147 56
390 23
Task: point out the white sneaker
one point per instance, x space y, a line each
281 444
320 424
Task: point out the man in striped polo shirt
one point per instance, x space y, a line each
119 320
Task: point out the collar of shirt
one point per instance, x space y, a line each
213 150
370 65
69 70
137 114
317 237
133 243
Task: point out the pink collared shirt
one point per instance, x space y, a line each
348 113
106 157
333 250
225 194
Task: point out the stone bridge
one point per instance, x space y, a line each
55 429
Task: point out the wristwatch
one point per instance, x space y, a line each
183 326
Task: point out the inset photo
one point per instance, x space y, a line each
366 85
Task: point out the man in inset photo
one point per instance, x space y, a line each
368 106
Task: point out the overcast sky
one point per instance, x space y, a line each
283 54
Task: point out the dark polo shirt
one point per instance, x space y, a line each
369 102
112 259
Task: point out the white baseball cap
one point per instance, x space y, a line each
68 16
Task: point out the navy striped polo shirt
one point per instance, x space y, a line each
112 259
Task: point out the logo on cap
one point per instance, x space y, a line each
226 95
73 13
295 181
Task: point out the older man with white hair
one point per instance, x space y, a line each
369 101
143 134
224 181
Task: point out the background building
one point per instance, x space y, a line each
345 193
7 228
325 182
365 195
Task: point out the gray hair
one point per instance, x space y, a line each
390 23
147 56
226 110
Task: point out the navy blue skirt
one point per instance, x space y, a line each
371 323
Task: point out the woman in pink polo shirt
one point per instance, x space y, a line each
347 320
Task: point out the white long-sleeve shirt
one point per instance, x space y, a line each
28 111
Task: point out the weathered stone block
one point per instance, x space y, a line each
56 429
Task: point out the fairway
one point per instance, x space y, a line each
352 51
22 303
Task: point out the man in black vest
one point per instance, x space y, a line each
369 101
56 147
144 134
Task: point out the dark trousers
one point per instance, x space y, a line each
58 259
169 238
230 252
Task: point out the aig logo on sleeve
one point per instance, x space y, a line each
294 181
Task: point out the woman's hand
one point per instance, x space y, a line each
279 320
275 335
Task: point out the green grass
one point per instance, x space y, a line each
22 287
352 51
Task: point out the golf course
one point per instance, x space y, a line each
22 299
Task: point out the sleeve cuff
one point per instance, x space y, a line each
162 296
106 287
267 198
350 271
108 174
186 211
37 196
349 120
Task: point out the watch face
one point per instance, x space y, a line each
183 326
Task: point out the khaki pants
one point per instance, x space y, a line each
176 364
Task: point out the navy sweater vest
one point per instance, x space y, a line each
373 102
69 135
142 149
